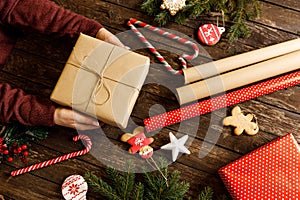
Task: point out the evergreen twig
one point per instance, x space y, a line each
101 186
206 194
236 11
122 186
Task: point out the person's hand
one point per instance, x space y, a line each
72 119
105 35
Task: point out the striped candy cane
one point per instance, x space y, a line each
58 159
172 36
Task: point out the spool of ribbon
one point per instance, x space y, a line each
169 35
231 98
58 159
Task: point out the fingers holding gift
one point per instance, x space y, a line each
107 36
72 119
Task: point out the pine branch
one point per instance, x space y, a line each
138 193
100 186
128 181
206 194
236 11
115 180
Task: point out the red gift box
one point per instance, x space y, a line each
270 172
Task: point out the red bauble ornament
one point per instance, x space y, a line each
210 34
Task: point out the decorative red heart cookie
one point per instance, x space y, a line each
210 34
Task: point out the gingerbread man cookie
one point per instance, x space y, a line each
139 142
241 122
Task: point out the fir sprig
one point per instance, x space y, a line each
206 194
101 186
236 11
122 185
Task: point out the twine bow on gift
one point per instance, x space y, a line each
100 76
100 83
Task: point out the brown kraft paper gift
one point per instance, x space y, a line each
102 80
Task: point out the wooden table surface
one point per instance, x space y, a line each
37 61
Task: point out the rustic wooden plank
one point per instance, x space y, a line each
286 99
268 9
51 48
263 38
99 145
173 106
291 4
284 19
57 173
27 85
275 116
33 68
26 186
271 119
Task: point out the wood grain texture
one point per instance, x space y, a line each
38 60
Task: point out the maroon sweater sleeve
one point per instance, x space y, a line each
30 110
47 17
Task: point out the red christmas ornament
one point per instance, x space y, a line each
210 34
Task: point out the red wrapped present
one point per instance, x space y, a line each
270 172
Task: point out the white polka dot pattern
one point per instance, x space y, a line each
270 172
222 101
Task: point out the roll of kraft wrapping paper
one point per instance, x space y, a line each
206 70
240 77
232 98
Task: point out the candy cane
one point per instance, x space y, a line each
58 159
168 35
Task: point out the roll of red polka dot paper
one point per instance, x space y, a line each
270 172
231 98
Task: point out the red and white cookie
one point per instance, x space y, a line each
210 34
74 188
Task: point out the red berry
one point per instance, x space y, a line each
10 159
25 153
15 144
24 146
6 152
15 151
19 149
